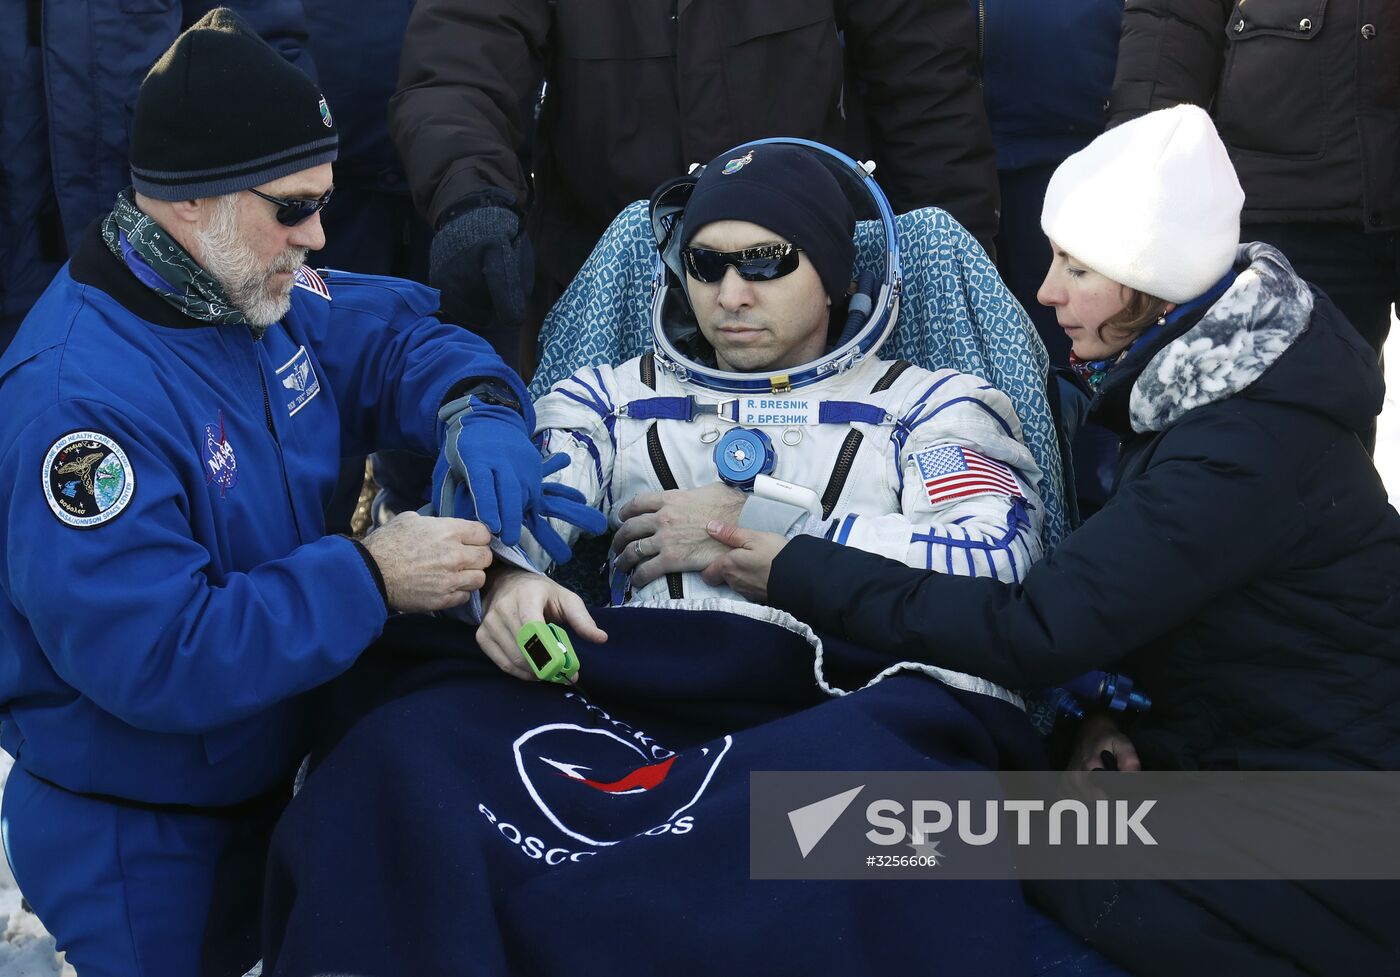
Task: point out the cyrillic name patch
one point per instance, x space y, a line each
88 479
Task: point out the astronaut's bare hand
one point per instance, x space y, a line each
428 563
513 599
664 532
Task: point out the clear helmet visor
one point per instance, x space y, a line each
860 324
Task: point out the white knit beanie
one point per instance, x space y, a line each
1153 204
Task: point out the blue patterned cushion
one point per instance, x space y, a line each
956 313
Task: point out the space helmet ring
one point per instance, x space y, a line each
872 313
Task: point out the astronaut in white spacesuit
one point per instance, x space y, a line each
763 403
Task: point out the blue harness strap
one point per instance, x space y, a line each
671 409
850 411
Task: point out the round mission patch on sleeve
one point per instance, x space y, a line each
88 479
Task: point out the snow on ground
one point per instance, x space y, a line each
27 950
1388 435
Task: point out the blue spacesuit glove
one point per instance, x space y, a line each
565 503
453 497
490 471
450 496
487 447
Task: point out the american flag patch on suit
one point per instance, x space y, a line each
306 277
951 472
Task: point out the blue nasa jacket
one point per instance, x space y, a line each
168 590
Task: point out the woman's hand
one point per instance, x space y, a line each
512 599
747 564
1101 745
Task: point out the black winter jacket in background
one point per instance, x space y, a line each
1246 574
640 89
1305 93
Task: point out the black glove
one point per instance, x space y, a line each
482 263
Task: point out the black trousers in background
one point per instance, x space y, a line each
1360 272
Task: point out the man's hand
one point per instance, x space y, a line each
664 532
517 597
430 564
748 560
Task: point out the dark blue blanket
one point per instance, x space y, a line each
457 821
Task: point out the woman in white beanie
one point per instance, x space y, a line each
1245 571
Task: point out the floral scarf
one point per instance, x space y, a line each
1258 317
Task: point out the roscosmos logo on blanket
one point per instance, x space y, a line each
602 783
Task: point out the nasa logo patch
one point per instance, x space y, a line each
88 479
220 463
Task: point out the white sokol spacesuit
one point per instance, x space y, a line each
924 467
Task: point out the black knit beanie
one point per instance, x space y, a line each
222 111
785 189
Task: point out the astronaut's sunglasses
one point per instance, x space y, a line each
291 211
761 264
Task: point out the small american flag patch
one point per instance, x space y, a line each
953 472
306 277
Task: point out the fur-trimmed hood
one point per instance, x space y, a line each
1239 346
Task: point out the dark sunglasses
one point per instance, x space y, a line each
761 264
292 211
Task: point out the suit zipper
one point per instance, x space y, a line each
267 407
981 34
837 482
647 368
846 457
668 481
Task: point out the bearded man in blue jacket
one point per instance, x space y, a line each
69 74
172 415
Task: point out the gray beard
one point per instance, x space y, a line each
247 283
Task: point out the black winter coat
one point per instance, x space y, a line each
1306 94
640 89
1245 572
